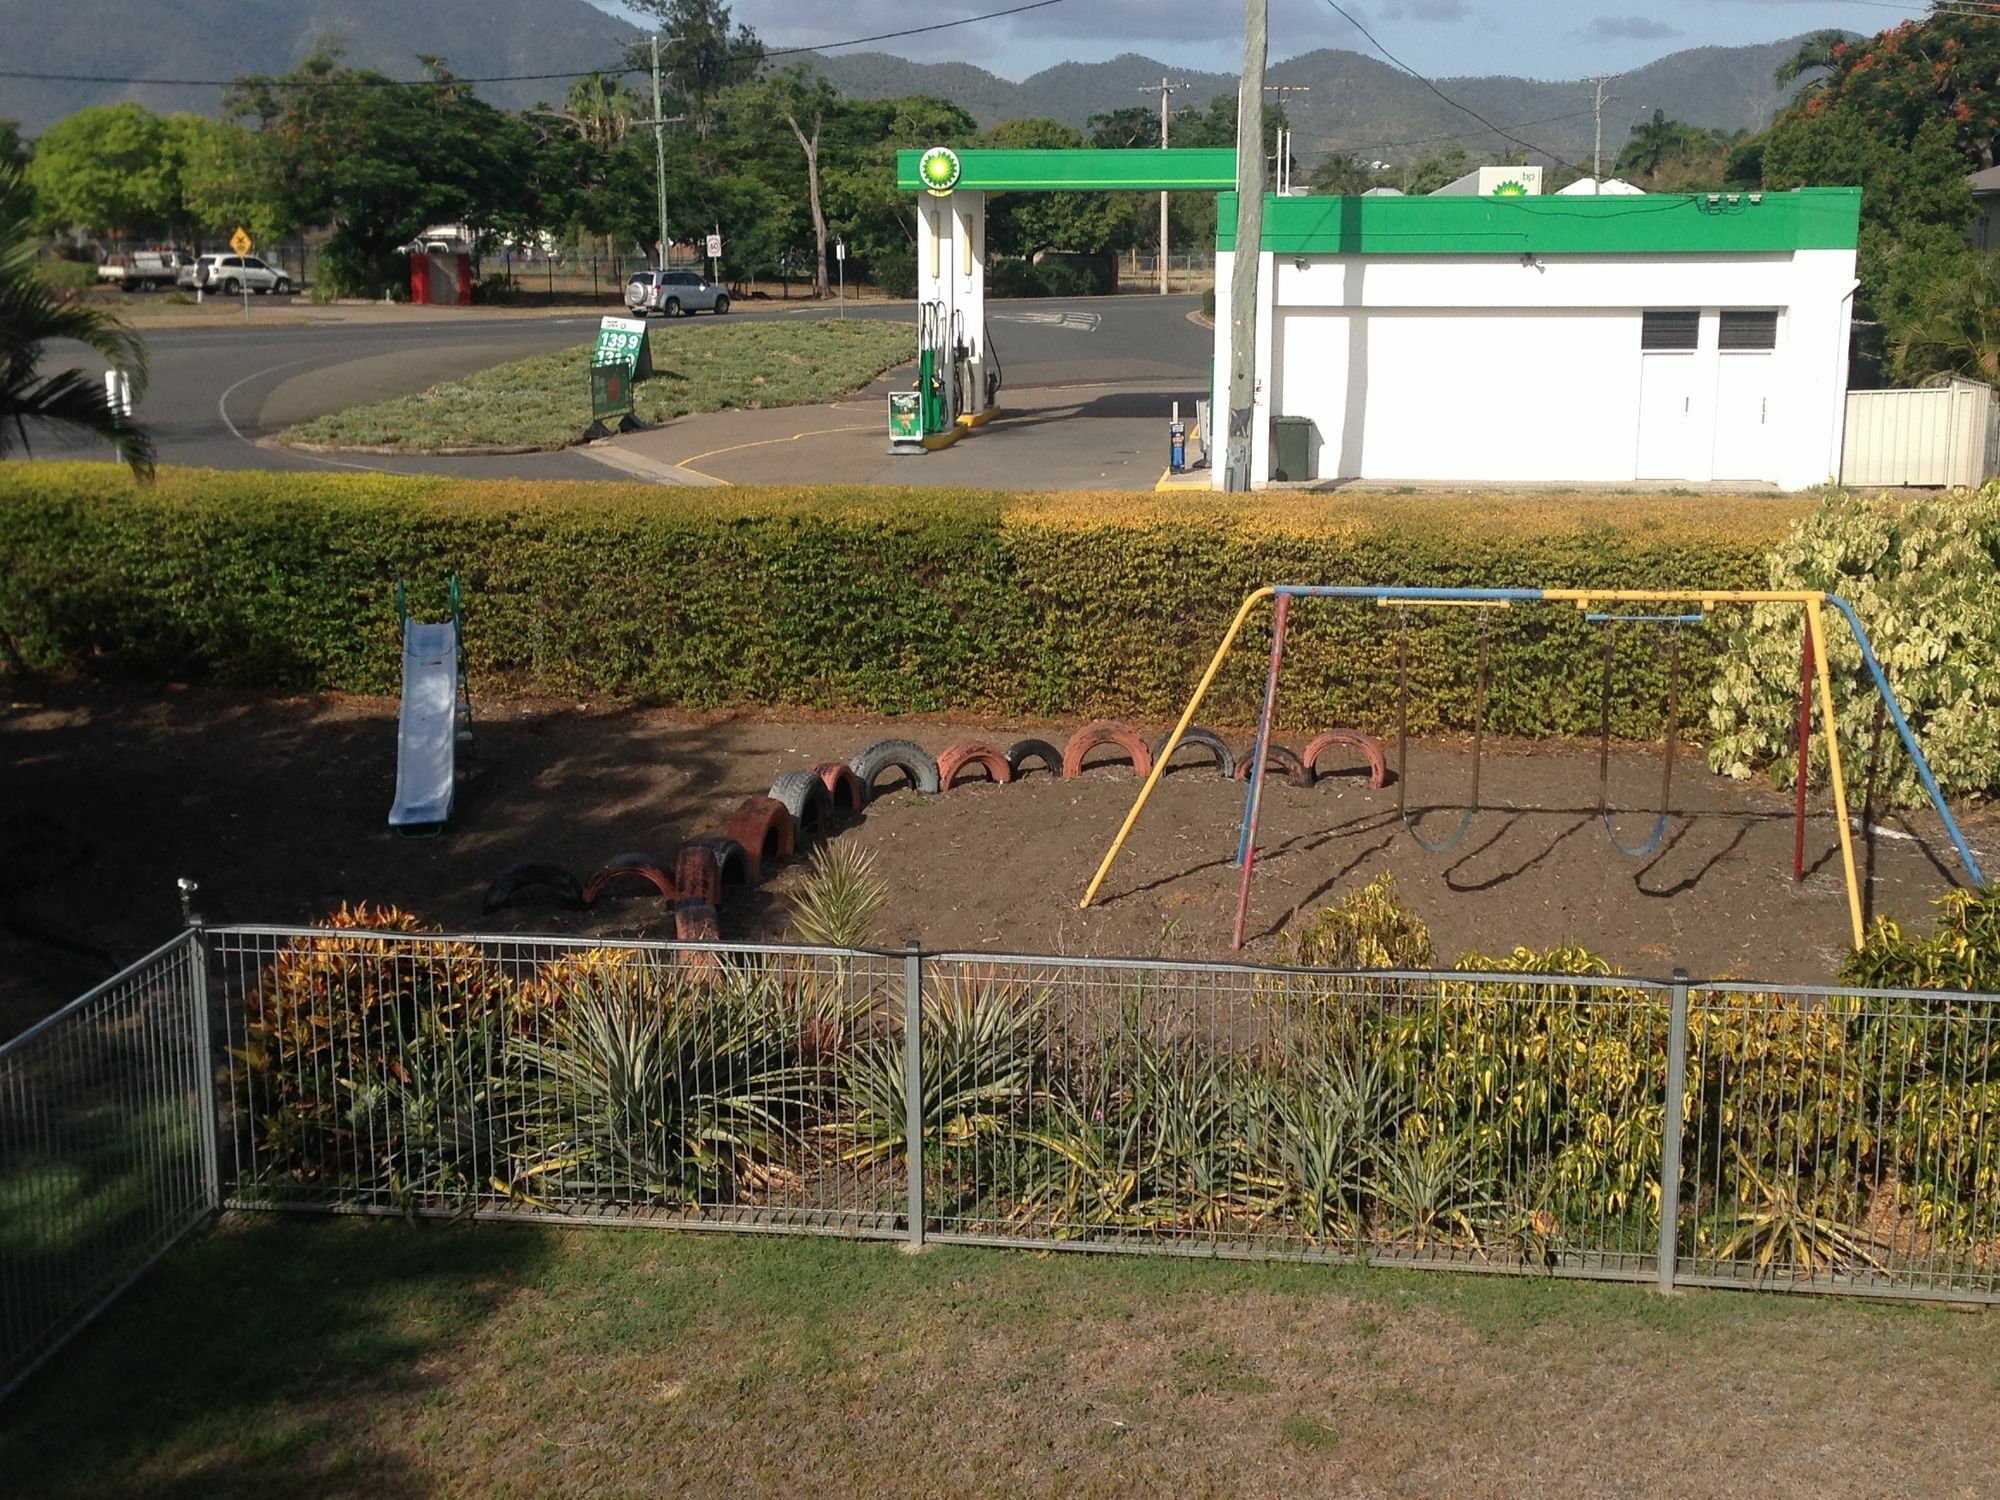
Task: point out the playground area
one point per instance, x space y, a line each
276 806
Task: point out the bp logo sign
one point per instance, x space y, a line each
1510 189
938 167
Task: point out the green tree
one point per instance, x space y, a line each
109 169
1025 224
34 315
802 101
701 52
877 218
1817 52
14 150
222 183
1944 67
1341 172
1430 172
1951 321
378 160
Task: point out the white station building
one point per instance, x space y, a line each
1551 339
1485 333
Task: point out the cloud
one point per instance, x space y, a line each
1628 28
1424 10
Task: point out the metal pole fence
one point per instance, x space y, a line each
104 1153
1579 1125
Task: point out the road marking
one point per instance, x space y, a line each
1070 322
688 463
222 410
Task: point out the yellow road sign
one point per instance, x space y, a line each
240 241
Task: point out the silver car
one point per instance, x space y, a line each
670 293
230 274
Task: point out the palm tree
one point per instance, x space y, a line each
1818 51
33 314
1953 325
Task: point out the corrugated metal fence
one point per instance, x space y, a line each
1940 436
1573 1125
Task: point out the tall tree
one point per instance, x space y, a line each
1816 53
702 53
1944 67
1026 224
34 315
109 169
802 100
379 160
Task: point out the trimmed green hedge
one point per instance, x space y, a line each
886 601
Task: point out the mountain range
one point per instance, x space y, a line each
1353 103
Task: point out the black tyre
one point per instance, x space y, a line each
904 755
1022 751
722 304
515 878
282 287
672 308
808 801
231 287
1202 739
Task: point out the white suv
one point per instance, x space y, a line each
670 293
230 274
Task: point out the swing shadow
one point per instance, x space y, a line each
1319 891
1468 887
1688 882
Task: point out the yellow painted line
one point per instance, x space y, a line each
944 439
980 419
689 463
1193 479
1166 754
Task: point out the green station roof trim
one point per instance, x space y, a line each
1110 170
1653 224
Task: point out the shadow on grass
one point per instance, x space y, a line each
254 1360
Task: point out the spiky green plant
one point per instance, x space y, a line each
841 899
34 315
649 1082
1433 1190
982 1047
1785 1225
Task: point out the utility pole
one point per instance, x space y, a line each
660 148
1598 100
1165 88
1284 172
1249 247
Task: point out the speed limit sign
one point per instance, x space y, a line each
715 247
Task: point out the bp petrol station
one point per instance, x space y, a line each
958 379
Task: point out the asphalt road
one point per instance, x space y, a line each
215 391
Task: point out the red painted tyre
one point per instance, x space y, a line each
849 795
730 859
1106 732
698 875
1281 759
1367 744
763 827
956 757
652 875
695 922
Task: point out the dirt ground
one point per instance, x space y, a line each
278 807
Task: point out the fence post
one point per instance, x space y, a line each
913 1085
1671 1131
204 1046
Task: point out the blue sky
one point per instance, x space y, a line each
1535 38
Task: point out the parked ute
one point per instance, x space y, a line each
230 274
670 293
144 268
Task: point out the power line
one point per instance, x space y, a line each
620 68
1462 108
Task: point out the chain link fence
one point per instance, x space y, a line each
1582 1125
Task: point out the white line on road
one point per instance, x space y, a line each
222 410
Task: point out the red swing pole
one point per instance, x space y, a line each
1249 850
1805 742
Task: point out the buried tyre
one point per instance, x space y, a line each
907 756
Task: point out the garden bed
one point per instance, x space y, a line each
278 806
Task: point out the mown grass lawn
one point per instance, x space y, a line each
545 401
386 1359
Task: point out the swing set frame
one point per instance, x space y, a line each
1814 675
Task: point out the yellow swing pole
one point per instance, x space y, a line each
1250 601
1816 625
